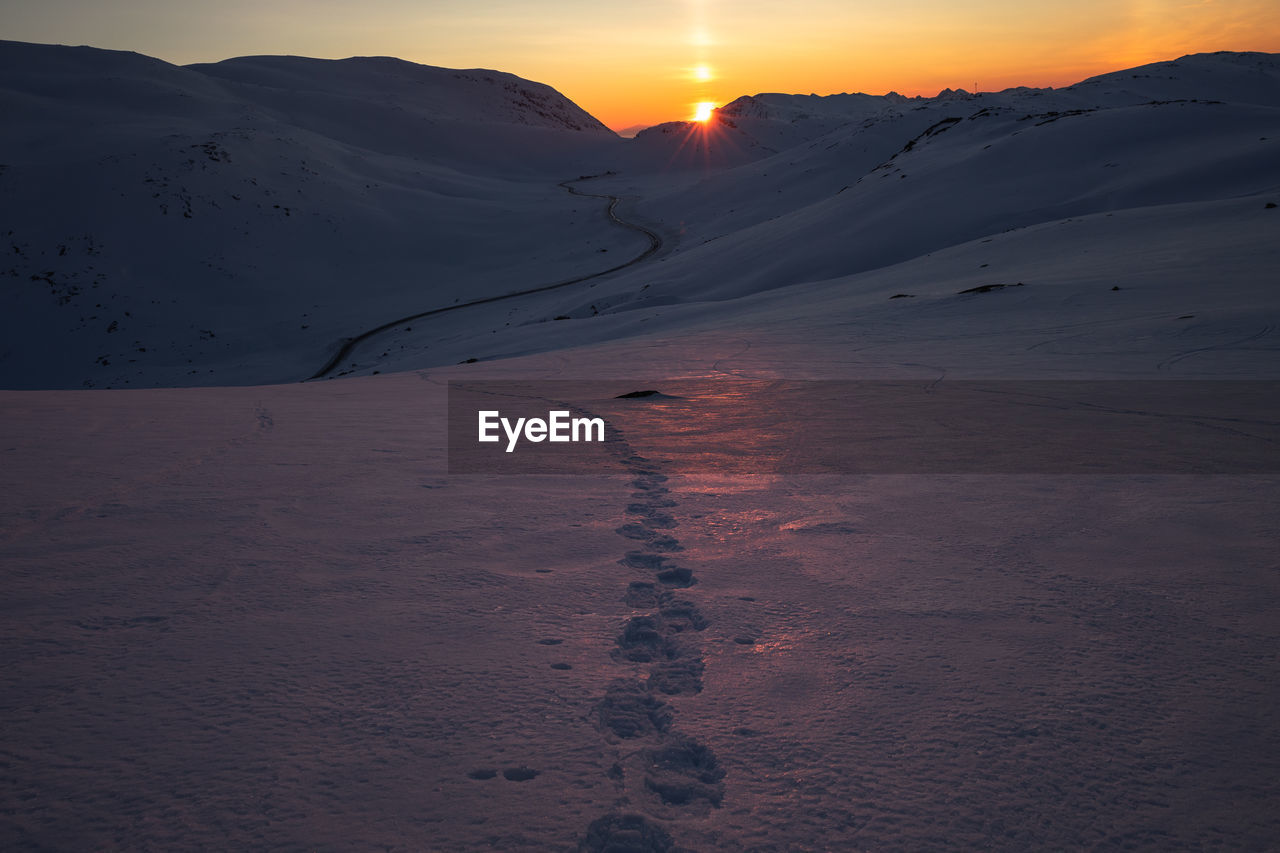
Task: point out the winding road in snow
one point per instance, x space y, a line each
655 244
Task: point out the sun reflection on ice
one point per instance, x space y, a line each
767 647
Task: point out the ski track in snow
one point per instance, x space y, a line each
655 244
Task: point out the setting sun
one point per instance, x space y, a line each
702 111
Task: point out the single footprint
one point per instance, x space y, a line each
675 677
677 576
683 771
660 542
643 560
483 773
634 530
625 833
641 640
629 710
681 615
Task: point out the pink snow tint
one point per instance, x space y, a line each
264 617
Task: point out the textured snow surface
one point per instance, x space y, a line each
235 223
266 615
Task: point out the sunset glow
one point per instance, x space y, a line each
643 64
703 111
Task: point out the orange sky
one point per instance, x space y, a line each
636 63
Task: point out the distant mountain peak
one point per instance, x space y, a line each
474 95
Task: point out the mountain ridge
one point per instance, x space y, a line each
234 223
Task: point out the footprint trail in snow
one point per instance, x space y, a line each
661 775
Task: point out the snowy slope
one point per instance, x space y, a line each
391 106
170 225
1183 291
272 617
756 126
949 194
853 204
236 222
989 162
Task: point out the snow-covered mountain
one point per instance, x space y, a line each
864 190
902 184
236 222
281 617
757 126
215 221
